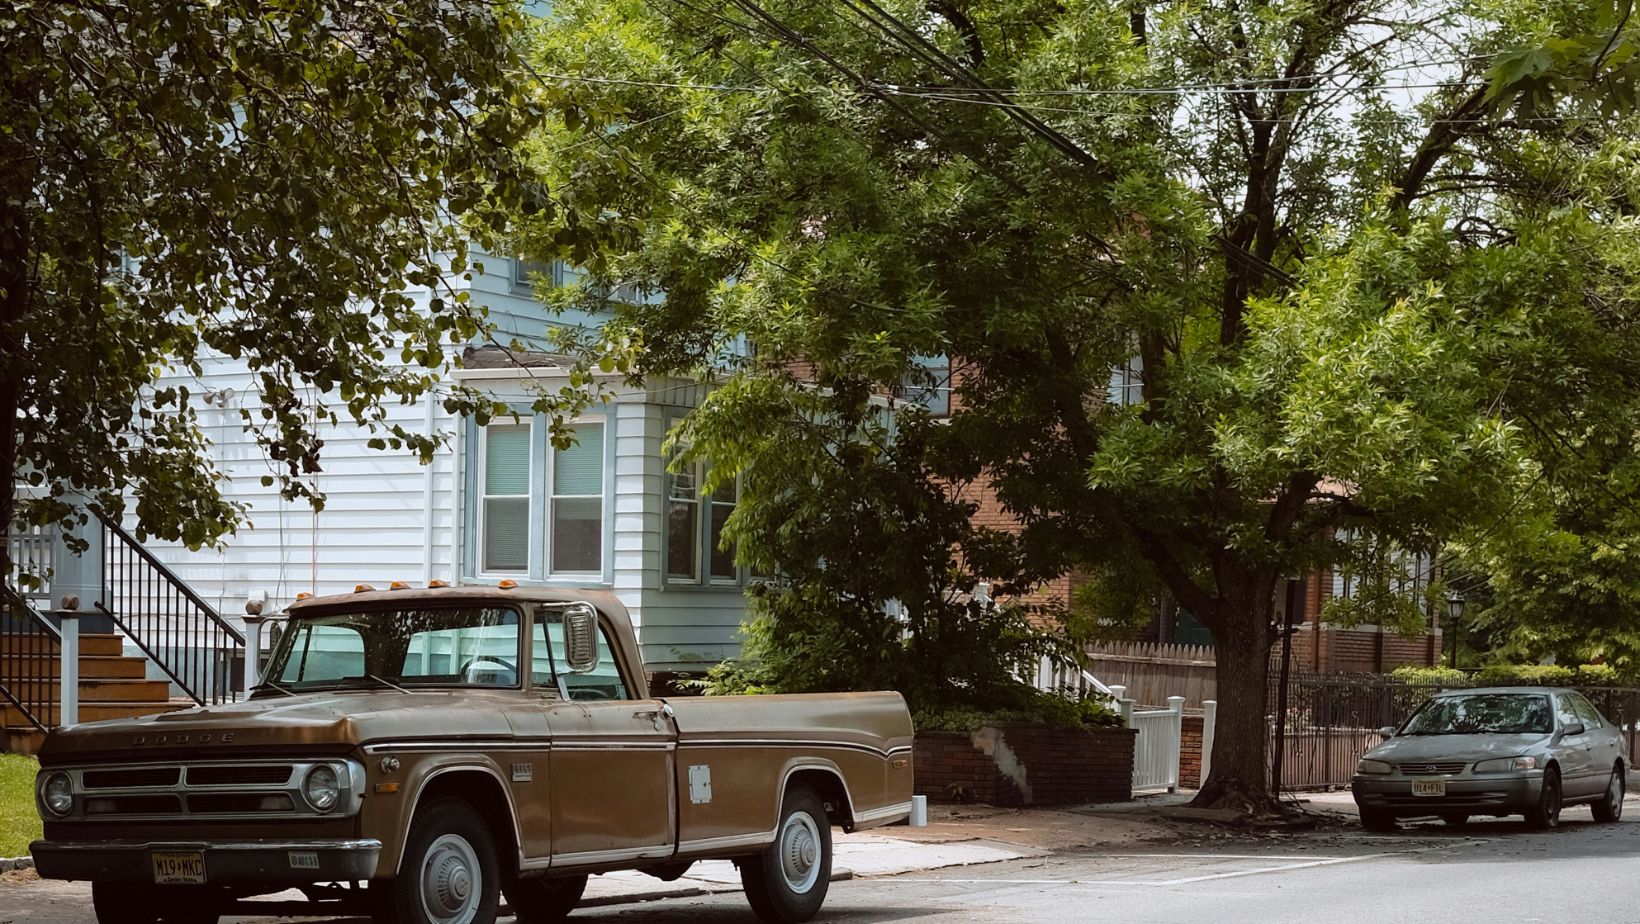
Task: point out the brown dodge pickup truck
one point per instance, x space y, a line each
416 754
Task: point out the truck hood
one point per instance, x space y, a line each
320 721
1468 748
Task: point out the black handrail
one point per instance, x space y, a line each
161 614
29 653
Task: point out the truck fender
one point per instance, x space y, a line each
828 791
462 765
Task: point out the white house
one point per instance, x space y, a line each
498 502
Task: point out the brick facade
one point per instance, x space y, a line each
1190 753
1025 765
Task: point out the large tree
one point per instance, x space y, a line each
1321 232
189 180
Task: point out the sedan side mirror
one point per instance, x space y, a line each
1388 731
580 638
1576 728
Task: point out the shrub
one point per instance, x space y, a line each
1430 676
1540 675
1043 709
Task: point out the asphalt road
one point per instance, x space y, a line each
1494 872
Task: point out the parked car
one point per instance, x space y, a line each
434 749
1506 751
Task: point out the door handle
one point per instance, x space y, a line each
656 715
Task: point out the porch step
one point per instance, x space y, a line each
11 717
21 740
92 667
12 643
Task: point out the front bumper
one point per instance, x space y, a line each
1489 795
226 863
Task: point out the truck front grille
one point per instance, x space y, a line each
218 790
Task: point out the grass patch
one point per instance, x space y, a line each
21 820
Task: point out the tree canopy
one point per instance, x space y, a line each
1353 249
284 186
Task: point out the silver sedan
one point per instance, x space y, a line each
1504 751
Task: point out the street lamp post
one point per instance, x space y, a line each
1454 608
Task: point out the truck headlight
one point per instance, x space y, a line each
1507 764
1367 765
58 794
321 788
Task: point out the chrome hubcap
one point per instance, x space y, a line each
451 881
800 847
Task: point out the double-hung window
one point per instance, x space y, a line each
506 511
929 385
542 509
694 526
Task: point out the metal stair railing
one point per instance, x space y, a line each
28 660
161 614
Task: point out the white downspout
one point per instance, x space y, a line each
458 488
427 501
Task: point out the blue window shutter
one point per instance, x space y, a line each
507 459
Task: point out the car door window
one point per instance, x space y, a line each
1586 713
601 683
1565 712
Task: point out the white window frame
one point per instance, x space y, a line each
1127 383
552 498
520 268
481 563
542 458
703 504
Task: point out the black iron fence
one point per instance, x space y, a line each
199 650
1331 721
29 663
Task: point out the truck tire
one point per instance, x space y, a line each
449 873
544 900
136 903
787 882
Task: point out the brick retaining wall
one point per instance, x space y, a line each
1190 753
1026 765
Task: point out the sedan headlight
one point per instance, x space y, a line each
1507 764
1369 765
58 794
321 788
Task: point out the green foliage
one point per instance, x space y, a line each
1431 676
1355 310
1046 709
284 188
1555 675
17 804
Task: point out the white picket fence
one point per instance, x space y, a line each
1160 742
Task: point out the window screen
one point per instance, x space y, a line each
506 497
578 502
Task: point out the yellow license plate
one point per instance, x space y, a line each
179 867
1429 787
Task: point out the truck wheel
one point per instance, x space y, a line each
787 882
449 874
136 903
543 900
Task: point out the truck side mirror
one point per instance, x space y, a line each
580 638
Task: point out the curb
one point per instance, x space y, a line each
15 863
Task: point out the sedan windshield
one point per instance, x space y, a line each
1482 714
399 648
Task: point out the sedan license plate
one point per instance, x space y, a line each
179 867
1429 787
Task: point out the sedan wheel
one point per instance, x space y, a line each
1546 814
1610 808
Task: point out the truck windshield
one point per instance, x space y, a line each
448 646
1481 714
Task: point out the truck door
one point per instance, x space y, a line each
611 761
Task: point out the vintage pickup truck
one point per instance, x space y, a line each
417 754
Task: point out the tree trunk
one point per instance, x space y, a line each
1240 776
16 190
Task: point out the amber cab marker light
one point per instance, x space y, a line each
398 585
508 584
361 588
303 595
438 583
